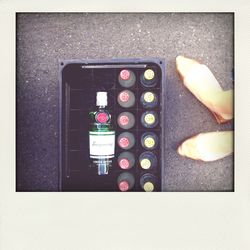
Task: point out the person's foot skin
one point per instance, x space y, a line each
209 146
204 86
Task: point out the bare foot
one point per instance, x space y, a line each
209 146
201 82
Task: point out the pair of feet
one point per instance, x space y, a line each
201 82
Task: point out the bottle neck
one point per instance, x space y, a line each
101 107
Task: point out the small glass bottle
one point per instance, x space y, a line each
149 140
148 182
126 140
125 181
149 119
126 78
126 160
148 78
126 120
126 99
101 135
149 99
148 160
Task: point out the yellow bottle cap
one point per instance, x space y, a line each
148 186
149 142
149 74
149 119
145 163
149 97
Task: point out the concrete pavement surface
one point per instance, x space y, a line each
44 39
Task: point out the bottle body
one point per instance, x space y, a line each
149 119
149 99
148 160
126 160
126 140
126 78
101 138
148 182
126 120
149 140
148 78
126 99
125 181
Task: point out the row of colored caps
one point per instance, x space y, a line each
149 119
147 160
126 182
149 140
126 99
127 78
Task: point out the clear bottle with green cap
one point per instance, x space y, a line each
148 78
126 98
125 181
149 99
149 119
101 135
126 78
149 140
148 182
148 160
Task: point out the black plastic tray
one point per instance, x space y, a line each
79 81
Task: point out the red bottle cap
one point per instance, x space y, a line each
102 117
125 74
124 120
124 163
124 186
124 96
124 142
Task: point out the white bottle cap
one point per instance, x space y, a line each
101 99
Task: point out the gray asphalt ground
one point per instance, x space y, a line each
44 39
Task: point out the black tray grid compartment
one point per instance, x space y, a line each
79 80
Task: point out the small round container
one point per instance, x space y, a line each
126 120
125 181
149 99
149 119
149 140
148 160
126 140
148 78
126 99
126 160
126 78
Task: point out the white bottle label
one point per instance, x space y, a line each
102 144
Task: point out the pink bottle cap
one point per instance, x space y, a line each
102 117
124 120
124 163
124 96
124 142
124 186
125 74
